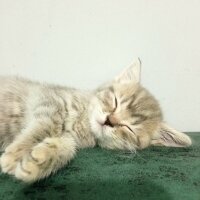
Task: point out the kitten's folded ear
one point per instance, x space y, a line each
170 137
131 73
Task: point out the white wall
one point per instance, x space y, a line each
83 43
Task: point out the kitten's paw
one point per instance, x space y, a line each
42 152
9 159
26 169
34 165
8 163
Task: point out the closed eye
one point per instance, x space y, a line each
124 125
116 104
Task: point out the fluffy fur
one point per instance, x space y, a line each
42 126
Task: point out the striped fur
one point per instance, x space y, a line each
136 115
42 126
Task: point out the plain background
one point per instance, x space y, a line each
86 42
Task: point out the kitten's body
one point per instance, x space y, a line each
42 126
66 109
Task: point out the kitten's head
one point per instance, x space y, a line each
124 115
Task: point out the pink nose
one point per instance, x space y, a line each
111 121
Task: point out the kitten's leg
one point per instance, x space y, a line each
41 160
14 153
37 152
45 158
29 137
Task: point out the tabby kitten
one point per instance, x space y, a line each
42 126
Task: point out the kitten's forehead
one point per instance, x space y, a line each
124 93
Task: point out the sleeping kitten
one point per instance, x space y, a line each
42 126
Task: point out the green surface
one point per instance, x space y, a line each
154 173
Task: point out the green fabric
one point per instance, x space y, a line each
154 173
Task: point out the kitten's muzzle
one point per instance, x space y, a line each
111 121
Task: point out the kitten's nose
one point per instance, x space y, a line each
110 121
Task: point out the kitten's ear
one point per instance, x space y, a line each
170 137
131 73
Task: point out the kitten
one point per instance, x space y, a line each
42 126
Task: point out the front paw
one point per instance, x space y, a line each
37 163
9 159
8 163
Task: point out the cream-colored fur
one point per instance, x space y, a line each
42 126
